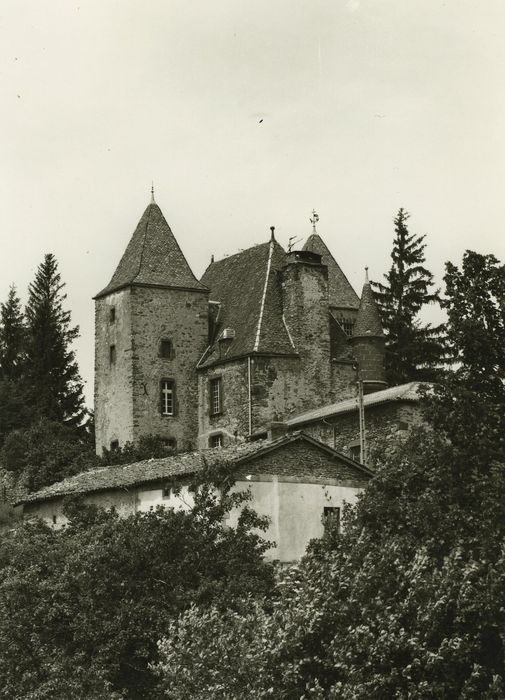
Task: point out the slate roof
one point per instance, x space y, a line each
341 293
368 321
153 257
405 392
178 465
247 286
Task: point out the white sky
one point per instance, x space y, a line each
367 105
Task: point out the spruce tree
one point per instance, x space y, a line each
55 386
413 351
12 337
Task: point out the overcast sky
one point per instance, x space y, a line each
246 114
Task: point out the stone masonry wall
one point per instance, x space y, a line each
306 312
113 380
233 421
369 352
386 421
181 317
305 462
280 388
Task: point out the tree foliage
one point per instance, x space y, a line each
52 375
414 351
12 337
82 608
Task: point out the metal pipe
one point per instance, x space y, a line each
250 393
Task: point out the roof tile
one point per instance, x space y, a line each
153 257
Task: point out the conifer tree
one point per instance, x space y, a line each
54 384
12 337
413 351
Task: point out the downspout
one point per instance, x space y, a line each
249 393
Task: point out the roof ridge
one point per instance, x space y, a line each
262 308
239 252
141 256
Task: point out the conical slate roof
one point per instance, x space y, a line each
368 322
341 294
153 257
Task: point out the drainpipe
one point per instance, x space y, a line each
250 393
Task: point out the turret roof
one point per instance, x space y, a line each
368 322
153 257
341 293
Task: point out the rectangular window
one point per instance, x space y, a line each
114 445
216 395
166 349
112 314
167 395
355 452
166 491
216 440
331 513
112 354
347 325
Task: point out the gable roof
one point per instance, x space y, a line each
341 293
405 392
153 257
248 290
179 465
368 321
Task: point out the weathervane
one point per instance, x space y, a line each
314 219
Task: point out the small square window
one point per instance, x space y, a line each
166 349
112 314
169 443
114 445
166 491
216 396
216 440
112 354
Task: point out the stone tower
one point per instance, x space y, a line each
151 328
368 342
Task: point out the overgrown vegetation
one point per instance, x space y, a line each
82 608
408 602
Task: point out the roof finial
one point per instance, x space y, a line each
272 233
314 219
212 258
152 193
366 275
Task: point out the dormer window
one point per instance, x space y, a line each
166 349
347 325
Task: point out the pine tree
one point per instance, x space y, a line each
12 337
53 377
413 351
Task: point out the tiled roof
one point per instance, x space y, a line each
341 293
404 392
368 322
179 465
153 257
248 289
